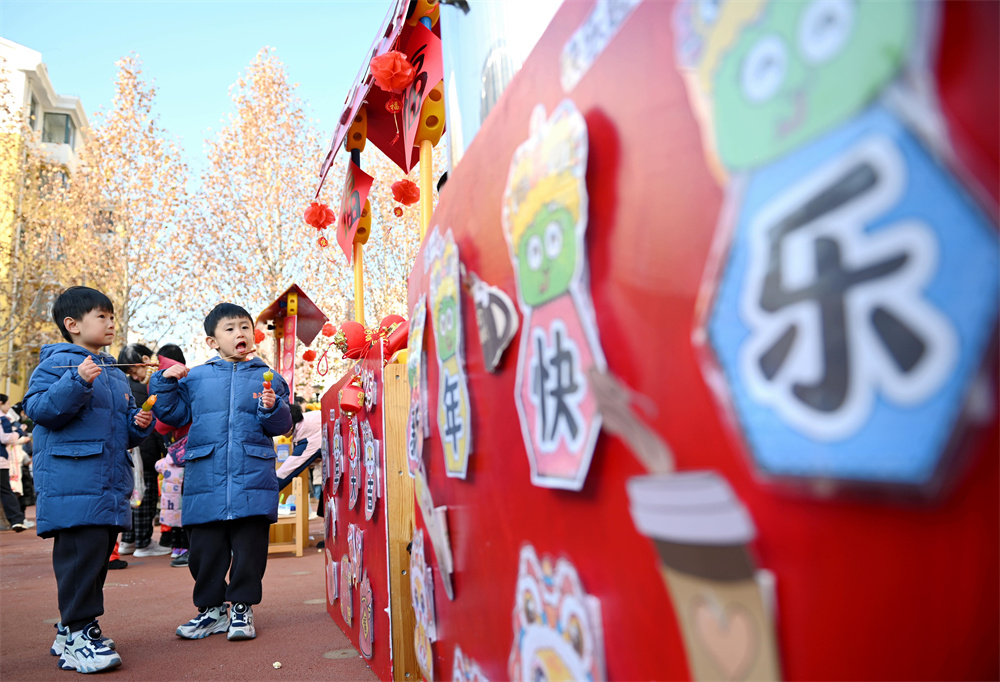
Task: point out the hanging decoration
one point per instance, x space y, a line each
398 211
354 462
309 355
366 612
373 485
406 192
350 340
328 330
338 455
258 336
352 396
393 73
319 216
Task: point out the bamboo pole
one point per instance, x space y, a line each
426 185
359 284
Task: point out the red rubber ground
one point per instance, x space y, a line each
145 603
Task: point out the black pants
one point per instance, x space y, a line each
178 538
211 544
80 560
11 507
144 515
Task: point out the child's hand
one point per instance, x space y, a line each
143 419
175 372
267 398
89 370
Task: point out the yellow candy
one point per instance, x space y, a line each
148 405
268 375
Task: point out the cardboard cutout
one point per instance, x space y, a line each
357 183
454 415
372 469
590 40
436 521
544 222
366 636
557 626
331 576
422 597
331 520
325 453
414 355
354 461
496 318
338 454
345 594
465 669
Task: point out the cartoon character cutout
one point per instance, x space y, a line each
496 318
354 461
414 365
557 626
356 541
325 452
454 416
366 636
331 576
544 221
345 595
372 469
465 669
338 455
839 312
422 597
331 520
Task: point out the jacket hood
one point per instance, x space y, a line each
50 349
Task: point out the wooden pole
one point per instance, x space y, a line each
426 185
359 284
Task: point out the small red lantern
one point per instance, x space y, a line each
309 355
397 338
398 211
391 71
328 330
394 105
258 335
352 397
323 242
405 192
319 215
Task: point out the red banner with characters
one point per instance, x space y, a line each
357 183
424 52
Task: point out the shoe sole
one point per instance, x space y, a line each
236 635
66 665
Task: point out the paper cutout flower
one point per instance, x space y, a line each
398 211
328 330
323 242
309 355
258 335
392 72
405 192
319 215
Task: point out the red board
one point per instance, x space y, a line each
423 51
868 585
352 203
375 546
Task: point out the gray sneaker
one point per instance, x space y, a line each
207 622
241 622
62 634
86 652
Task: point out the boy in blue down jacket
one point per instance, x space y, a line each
230 494
85 423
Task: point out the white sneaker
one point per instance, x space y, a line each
153 549
62 634
207 622
85 652
126 548
241 622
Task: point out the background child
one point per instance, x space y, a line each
230 486
173 463
85 422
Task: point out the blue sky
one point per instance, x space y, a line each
196 50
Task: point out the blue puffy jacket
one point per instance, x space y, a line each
83 471
229 471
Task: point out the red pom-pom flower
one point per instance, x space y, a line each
258 336
405 192
319 215
309 355
328 330
392 72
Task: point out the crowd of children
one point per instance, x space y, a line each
211 441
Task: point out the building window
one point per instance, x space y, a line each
33 114
58 128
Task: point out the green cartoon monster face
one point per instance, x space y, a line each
446 329
546 255
801 69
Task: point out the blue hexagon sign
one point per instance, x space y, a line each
857 301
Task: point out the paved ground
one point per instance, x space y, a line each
145 603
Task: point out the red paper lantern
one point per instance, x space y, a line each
328 330
319 215
405 192
258 336
394 105
323 242
352 397
398 211
392 72
389 322
309 355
